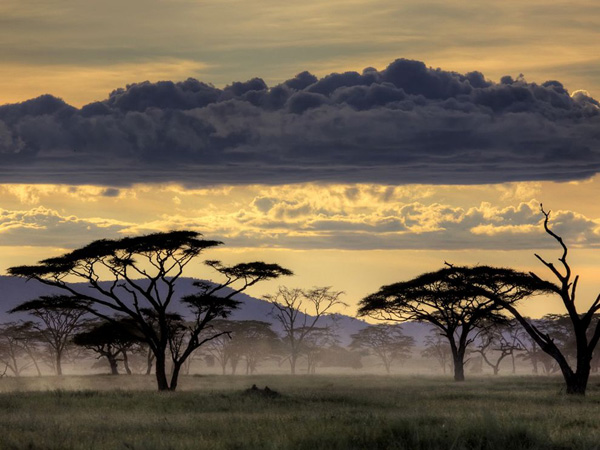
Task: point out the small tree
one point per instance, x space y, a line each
13 347
221 348
495 344
315 345
137 277
387 342
437 347
291 308
253 341
61 316
110 340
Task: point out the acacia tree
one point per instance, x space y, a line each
110 340
61 316
13 347
137 277
437 347
221 348
291 308
496 339
253 341
315 345
387 342
445 300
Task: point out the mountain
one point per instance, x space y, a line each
14 291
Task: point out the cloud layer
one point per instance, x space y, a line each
404 124
351 217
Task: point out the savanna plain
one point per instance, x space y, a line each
309 412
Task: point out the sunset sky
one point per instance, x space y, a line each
444 127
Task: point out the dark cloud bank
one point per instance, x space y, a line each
405 124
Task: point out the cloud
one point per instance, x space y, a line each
407 123
47 227
311 216
305 221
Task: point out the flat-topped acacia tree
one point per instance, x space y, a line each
60 317
137 276
446 300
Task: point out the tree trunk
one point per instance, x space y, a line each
149 362
113 364
175 376
126 362
386 364
534 358
234 363
15 367
35 364
293 364
577 383
58 363
459 367
161 373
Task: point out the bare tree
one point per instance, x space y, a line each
387 342
299 311
584 326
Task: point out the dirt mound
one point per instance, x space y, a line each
266 392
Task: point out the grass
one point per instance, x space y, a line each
313 412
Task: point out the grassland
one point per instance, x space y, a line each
312 412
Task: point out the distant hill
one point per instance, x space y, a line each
14 291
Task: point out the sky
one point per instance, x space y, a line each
357 143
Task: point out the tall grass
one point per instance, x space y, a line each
312 412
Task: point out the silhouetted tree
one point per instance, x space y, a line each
437 347
315 345
61 316
585 327
242 340
496 343
110 340
291 308
444 299
337 356
220 348
14 354
254 341
140 275
387 342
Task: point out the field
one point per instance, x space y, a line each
311 412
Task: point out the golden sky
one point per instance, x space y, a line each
80 50
354 235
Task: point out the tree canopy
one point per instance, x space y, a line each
137 276
452 300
